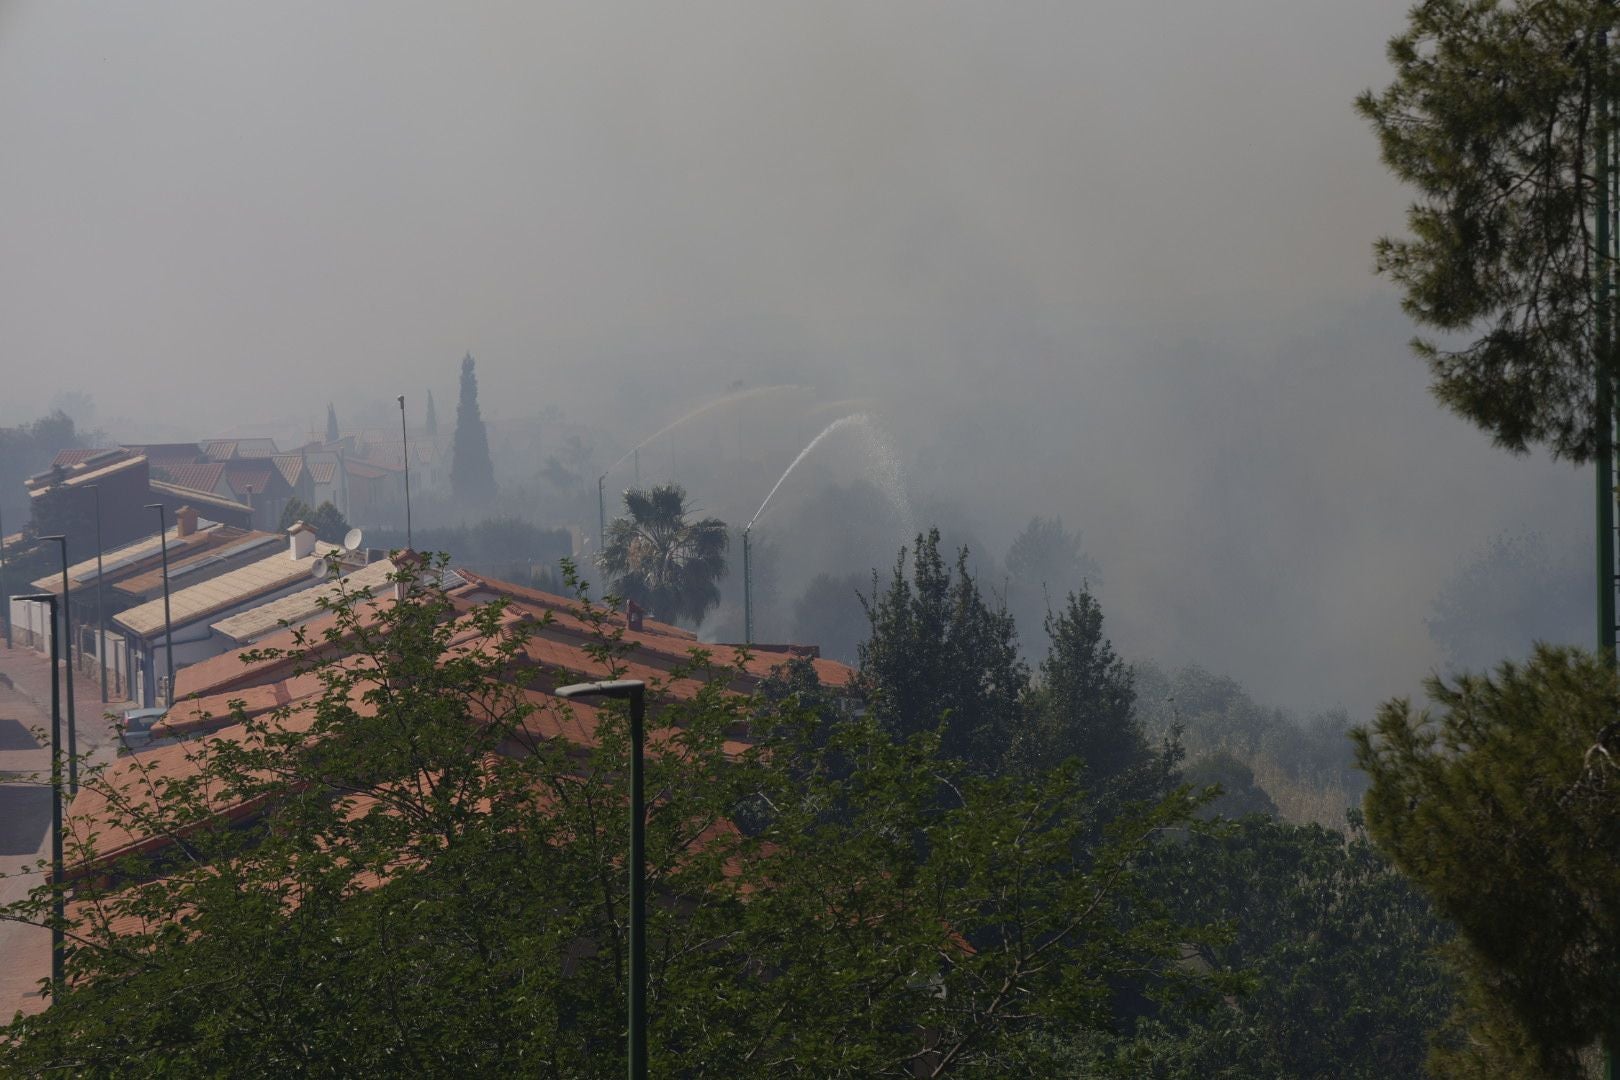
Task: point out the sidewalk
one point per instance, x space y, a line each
25 804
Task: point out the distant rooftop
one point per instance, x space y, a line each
298 607
223 592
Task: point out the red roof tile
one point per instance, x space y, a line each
201 477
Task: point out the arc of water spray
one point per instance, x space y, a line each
728 399
748 586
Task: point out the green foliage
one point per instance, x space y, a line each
1501 806
1084 706
1239 795
508 548
1213 714
25 450
472 473
661 559
1492 119
939 657
1338 952
425 886
327 520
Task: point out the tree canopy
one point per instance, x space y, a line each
422 885
1501 805
327 520
1493 119
658 556
939 656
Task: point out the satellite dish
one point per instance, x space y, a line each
320 569
352 539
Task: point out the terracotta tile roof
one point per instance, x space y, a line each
300 607
219 449
363 470
291 467
203 499
219 594
323 471
122 562
246 477
225 541
203 476
68 458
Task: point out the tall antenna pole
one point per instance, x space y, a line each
748 592
405 446
5 597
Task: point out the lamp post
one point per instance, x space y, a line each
4 598
601 515
635 691
168 626
57 904
748 591
405 446
101 622
67 629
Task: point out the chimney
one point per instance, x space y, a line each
406 563
185 521
301 540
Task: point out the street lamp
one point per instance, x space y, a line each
67 628
101 623
4 598
168 626
405 446
58 912
636 692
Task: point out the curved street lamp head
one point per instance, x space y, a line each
57 537
619 688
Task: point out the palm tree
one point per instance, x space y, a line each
659 559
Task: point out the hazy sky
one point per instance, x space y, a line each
1103 259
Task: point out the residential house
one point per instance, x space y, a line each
193 609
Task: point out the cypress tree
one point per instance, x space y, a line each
431 424
331 424
472 475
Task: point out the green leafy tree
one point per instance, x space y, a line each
327 520
659 557
472 473
405 878
1083 705
1339 954
1501 806
939 657
1239 795
1493 118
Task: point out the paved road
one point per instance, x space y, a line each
25 807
